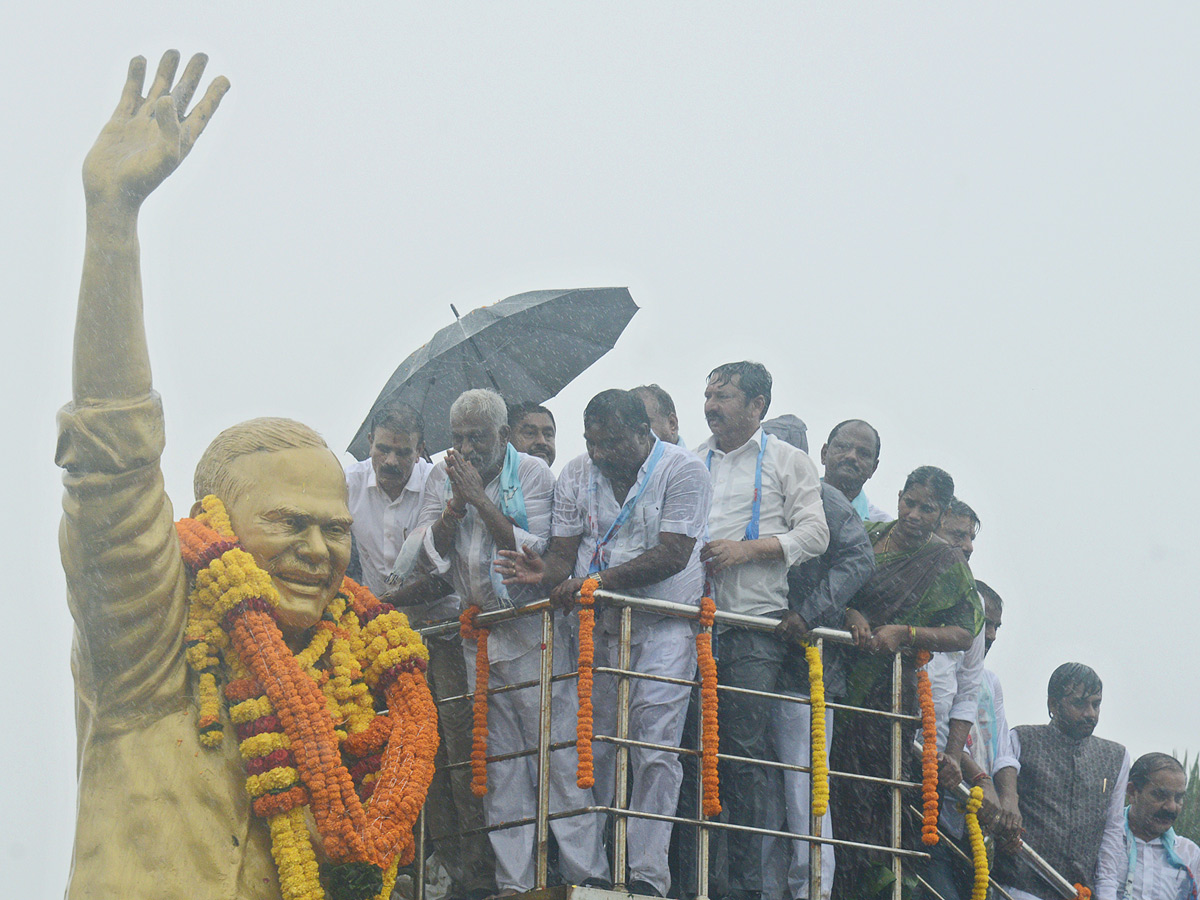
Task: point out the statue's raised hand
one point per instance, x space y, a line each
147 137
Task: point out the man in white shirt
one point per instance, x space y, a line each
766 516
850 457
1072 790
631 512
988 760
483 498
1156 863
386 491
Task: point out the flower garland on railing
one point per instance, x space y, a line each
1082 893
306 722
979 857
709 734
479 709
929 761
820 759
585 776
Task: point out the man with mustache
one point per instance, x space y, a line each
386 491
1072 790
486 497
531 430
956 677
1155 862
766 516
850 457
631 513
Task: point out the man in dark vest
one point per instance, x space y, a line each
1071 787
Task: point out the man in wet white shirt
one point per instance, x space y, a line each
386 492
1154 863
766 516
631 512
483 498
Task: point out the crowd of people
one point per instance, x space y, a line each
229 682
748 520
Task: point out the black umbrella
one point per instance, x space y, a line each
527 348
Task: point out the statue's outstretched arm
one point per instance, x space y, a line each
144 141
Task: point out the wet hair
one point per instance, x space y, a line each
480 402
617 407
840 425
958 508
398 417
263 435
666 405
937 480
1070 678
753 380
518 411
987 592
1148 764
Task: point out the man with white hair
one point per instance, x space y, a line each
483 498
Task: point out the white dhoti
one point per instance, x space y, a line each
789 806
656 716
512 784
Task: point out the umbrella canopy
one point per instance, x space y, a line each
527 347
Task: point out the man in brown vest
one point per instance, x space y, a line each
1071 788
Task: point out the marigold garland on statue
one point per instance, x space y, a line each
979 857
479 709
585 775
709 734
929 761
820 759
306 722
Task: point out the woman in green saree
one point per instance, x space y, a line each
921 597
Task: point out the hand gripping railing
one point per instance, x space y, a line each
817 636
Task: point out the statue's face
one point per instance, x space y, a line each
294 521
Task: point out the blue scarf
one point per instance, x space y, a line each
1168 842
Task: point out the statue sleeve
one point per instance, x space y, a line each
125 578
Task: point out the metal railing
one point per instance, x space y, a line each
623 743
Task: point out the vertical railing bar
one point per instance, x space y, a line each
621 823
814 821
419 887
542 827
897 701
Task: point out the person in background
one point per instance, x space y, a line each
661 410
956 677
531 429
850 457
988 761
819 590
386 492
766 516
1155 862
1071 790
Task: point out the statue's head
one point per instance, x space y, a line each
286 497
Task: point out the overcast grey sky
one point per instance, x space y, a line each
975 226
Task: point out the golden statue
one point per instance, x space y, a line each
227 676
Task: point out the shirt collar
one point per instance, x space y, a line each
754 441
